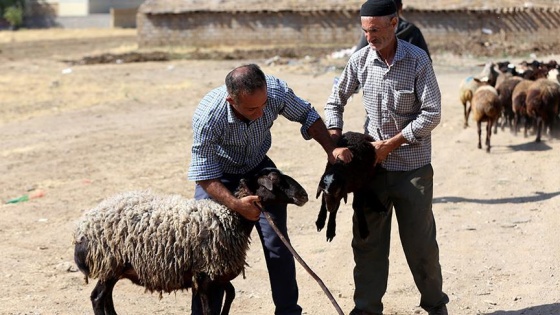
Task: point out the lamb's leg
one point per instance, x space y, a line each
101 298
331 226
230 295
322 217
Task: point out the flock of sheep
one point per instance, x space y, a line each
507 94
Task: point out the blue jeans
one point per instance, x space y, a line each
279 260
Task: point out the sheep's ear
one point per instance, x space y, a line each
266 183
345 198
243 183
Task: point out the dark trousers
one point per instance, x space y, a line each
410 194
279 261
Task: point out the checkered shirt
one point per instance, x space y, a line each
222 143
403 97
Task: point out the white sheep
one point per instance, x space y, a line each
469 85
167 242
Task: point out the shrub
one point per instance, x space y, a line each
14 16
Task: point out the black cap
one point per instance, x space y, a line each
378 8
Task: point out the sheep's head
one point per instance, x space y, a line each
272 186
333 187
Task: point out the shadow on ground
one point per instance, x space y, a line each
547 309
539 196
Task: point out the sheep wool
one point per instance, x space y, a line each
163 238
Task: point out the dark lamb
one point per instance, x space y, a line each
341 179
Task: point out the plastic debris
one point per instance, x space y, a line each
27 197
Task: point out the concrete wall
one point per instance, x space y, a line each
124 18
536 29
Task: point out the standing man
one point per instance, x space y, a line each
231 137
406 31
402 101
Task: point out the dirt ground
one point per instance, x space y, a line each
71 135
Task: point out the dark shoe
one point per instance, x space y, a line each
360 312
438 310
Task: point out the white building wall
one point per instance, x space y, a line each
73 7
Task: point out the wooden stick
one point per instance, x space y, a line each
300 260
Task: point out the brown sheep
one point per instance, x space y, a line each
486 106
543 100
466 92
518 105
505 91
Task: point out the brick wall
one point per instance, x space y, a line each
535 30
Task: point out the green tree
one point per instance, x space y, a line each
12 11
14 16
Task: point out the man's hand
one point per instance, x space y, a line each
246 208
384 148
340 154
382 151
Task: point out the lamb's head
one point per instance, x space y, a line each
333 186
273 186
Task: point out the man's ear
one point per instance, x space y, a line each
230 100
395 21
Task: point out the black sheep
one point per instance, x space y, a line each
340 179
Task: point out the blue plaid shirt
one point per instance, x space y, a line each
403 97
222 143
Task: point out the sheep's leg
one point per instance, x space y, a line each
465 123
488 135
539 129
201 287
515 123
101 298
230 295
109 305
322 217
331 226
467 113
479 130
